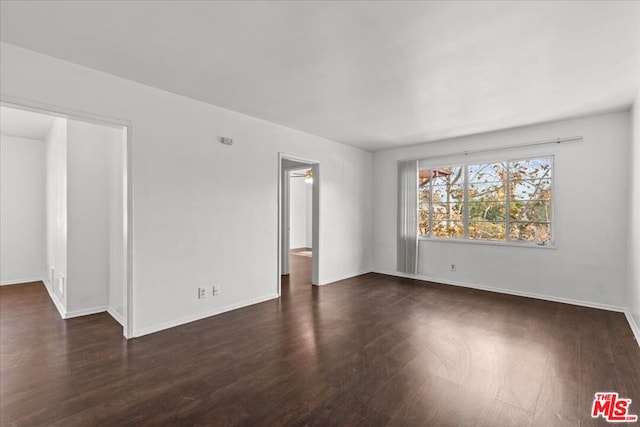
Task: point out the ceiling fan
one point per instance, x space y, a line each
307 175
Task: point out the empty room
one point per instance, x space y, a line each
257 213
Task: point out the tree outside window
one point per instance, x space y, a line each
497 201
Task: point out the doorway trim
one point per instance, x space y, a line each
38 107
283 201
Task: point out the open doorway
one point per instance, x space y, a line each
300 225
298 202
84 242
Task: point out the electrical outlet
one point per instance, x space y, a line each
216 290
202 293
453 267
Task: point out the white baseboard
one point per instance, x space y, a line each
21 281
192 318
552 298
86 311
348 276
633 325
54 298
117 316
71 314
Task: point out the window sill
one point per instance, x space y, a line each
489 242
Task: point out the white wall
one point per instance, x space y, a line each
308 237
300 216
84 217
56 211
633 259
117 223
196 220
88 185
591 211
22 210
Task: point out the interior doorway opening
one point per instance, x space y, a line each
300 226
86 211
298 202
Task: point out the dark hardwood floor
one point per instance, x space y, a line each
372 350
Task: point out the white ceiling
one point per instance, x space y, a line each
370 74
24 124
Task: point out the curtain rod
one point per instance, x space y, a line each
506 147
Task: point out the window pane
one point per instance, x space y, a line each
489 172
530 231
487 192
423 224
536 211
487 211
531 189
424 196
531 168
487 230
448 229
448 211
448 193
448 220
447 176
424 178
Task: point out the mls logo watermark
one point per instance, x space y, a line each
612 408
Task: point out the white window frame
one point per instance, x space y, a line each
551 243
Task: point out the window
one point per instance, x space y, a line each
496 201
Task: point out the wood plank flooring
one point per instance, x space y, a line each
372 350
